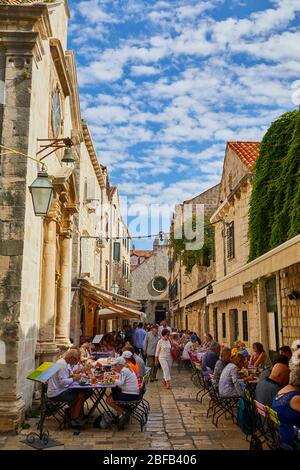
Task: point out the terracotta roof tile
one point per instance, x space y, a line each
142 253
18 2
247 152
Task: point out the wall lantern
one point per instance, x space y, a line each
41 191
114 288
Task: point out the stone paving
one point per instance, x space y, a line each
176 421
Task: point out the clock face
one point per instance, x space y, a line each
56 113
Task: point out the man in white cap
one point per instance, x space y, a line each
127 389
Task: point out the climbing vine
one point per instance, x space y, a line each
275 201
201 257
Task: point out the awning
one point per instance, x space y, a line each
281 257
236 291
201 294
110 310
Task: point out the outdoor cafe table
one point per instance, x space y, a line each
97 397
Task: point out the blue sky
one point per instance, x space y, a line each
164 85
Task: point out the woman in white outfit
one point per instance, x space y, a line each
163 355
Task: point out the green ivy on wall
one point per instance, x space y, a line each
275 202
201 257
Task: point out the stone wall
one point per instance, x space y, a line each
142 276
290 309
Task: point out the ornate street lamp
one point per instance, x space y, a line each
41 191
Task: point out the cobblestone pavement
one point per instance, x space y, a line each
176 421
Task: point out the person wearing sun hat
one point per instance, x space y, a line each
132 364
127 389
191 345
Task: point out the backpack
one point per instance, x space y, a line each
104 421
247 419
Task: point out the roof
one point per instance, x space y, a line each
18 2
246 151
141 253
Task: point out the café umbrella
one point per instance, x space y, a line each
41 191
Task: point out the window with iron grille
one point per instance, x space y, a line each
224 325
216 324
235 320
230 240
117 251
245 325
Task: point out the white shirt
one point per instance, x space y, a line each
187 348
128 382
163 349
60 381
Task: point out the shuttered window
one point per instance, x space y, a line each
245 325
117 251
230 240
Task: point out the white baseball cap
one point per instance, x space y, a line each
127 354
121 361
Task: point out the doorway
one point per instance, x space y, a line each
160 314
272 317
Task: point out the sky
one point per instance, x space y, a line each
165 84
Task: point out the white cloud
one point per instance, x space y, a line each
139 70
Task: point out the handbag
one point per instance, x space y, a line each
174 352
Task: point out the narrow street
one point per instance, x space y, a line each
176 421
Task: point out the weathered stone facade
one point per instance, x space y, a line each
254 301
187 308
155 304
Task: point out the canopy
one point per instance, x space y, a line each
105 299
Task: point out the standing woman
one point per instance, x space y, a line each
164 357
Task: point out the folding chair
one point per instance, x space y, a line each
50 408
138 409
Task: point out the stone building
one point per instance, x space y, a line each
188 291
149 281
35 254
260 300
54 271
120 247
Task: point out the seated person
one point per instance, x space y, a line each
280 360
222 363
190 345
268 387
132 364
58 387
286 351
138 359
85 350
287 405
211 357
208 339
229 385
259 358
127 389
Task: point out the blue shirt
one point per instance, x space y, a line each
139 337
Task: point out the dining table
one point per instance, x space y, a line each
98 396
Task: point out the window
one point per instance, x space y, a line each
224 325
235 324
159 283
230 240
245 325
206 319
216 324
117 251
